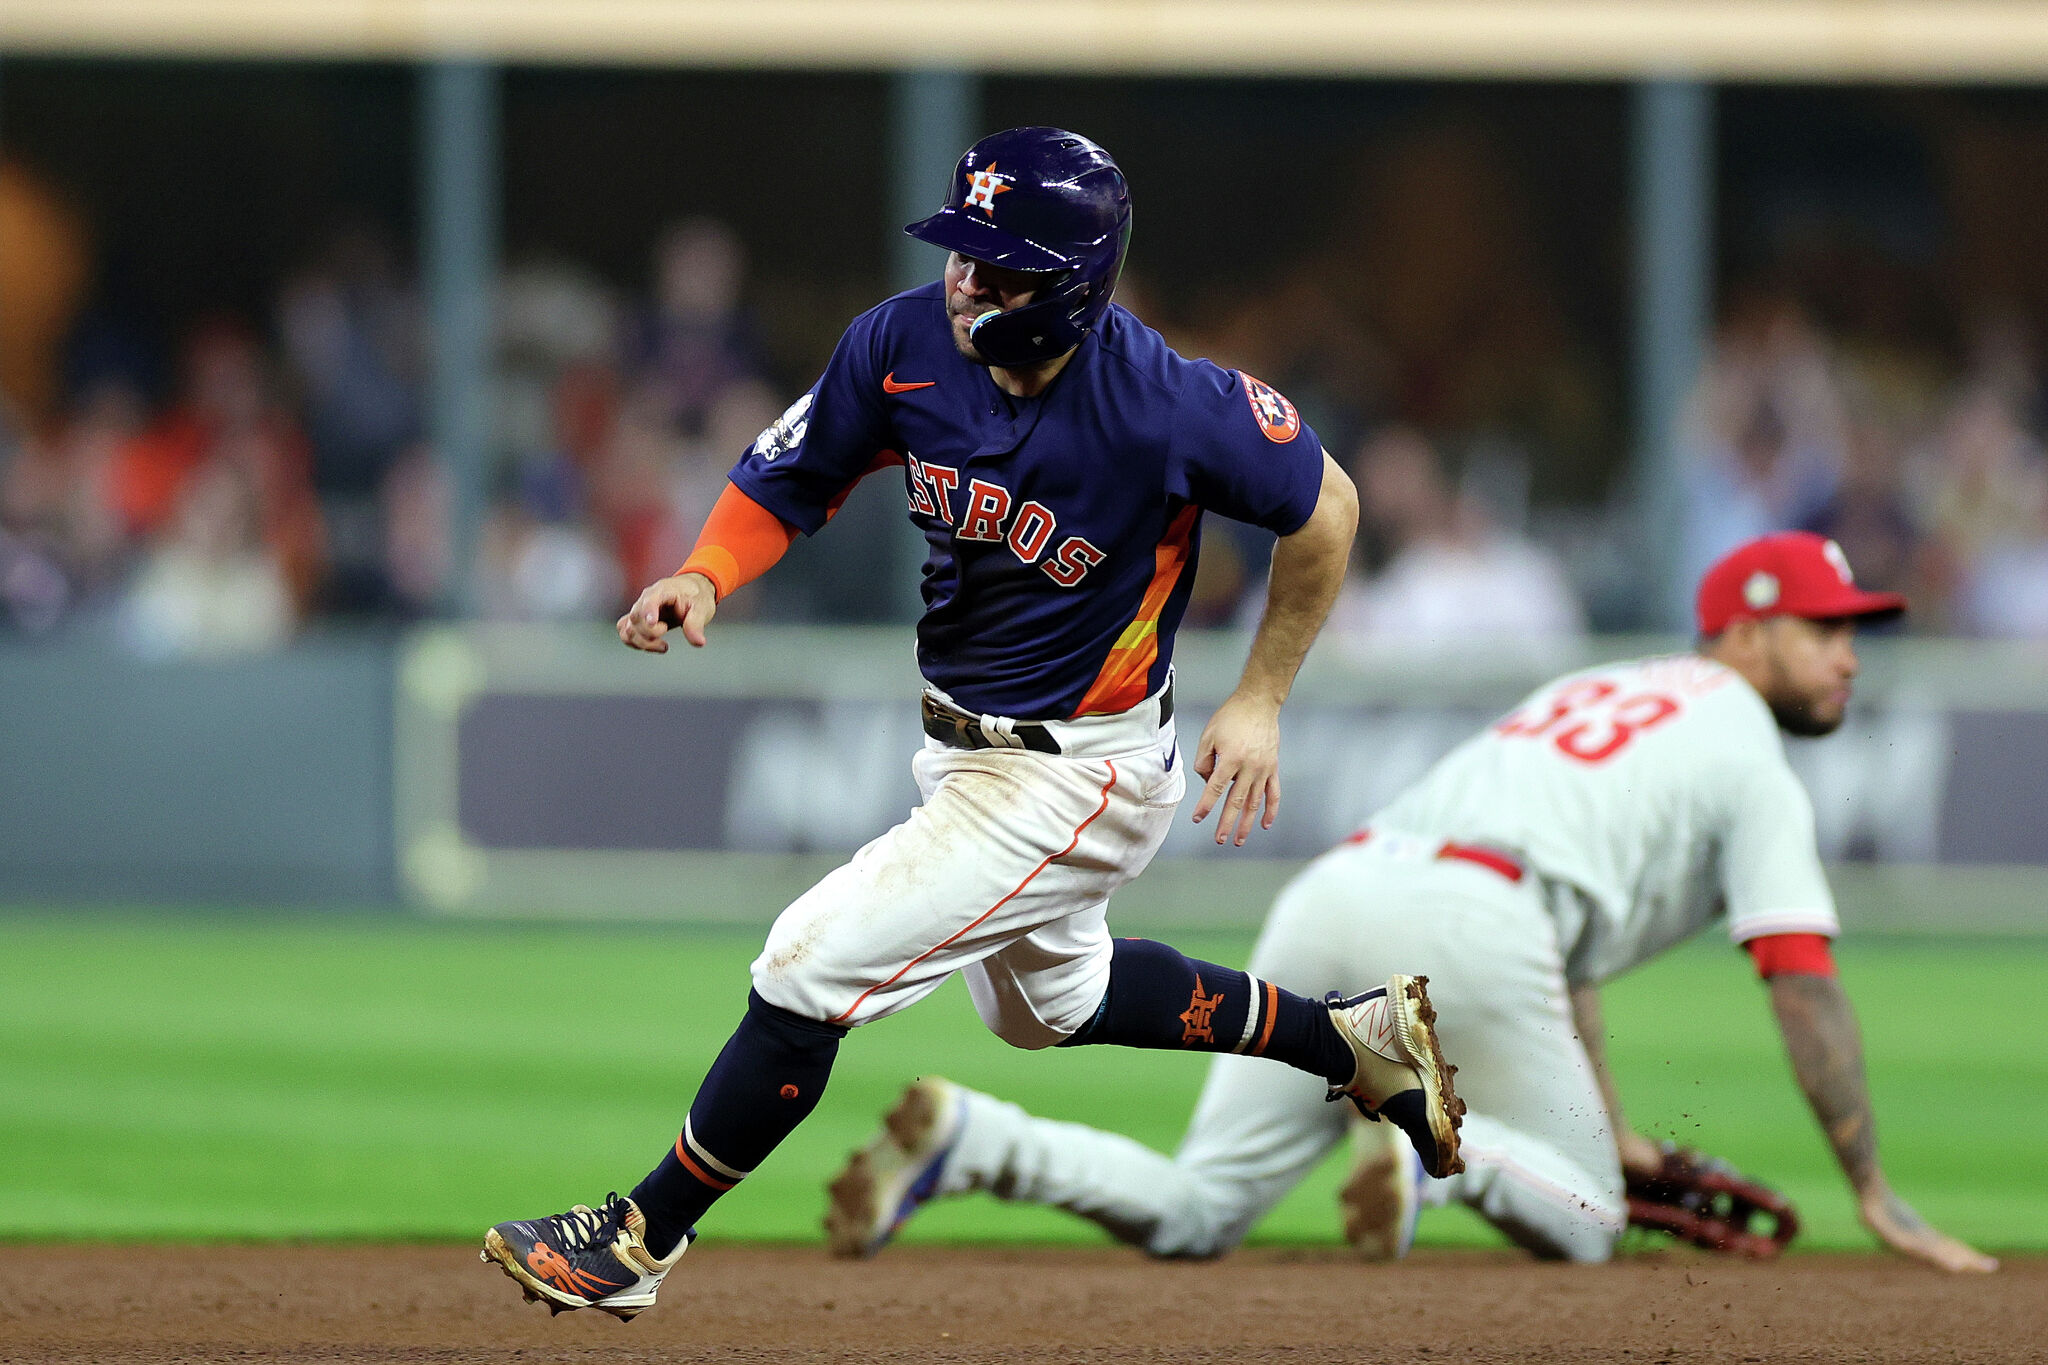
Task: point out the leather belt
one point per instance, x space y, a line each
1500 864
963 730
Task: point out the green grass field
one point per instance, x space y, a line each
253 1076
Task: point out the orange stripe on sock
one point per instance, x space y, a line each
690 1164
1272 1013
1050 858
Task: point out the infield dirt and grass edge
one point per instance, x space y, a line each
356 1077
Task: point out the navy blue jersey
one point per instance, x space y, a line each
1064 528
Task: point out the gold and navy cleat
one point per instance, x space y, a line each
585 1258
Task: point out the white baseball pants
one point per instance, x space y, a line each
1541 1163
1002 873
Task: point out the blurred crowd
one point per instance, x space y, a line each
1931 474
281 475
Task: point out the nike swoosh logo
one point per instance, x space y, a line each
890 384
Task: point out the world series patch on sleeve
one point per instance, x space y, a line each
1705 1201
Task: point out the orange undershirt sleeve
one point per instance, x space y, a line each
741 540
1783 954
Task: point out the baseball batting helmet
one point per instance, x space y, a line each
1046 201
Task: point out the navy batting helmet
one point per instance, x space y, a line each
1046 201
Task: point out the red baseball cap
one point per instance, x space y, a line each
1792 573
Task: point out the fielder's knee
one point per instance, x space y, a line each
1587 1235
1594 1240
1209 1220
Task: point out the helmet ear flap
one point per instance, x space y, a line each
1030 335
1041 330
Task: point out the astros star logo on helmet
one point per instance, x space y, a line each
982 188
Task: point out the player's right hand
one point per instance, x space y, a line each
1906 1232
685 602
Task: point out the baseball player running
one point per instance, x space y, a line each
1611 815
1058 458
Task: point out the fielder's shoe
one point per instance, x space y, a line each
885 1182
1401 1074
1382 1200
585 1258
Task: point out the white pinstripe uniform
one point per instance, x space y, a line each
1615 813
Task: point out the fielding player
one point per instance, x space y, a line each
1058 458
1611 815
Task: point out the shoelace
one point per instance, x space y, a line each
580 1226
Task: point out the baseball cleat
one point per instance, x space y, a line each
585 1258
1401 1075
1382 1199
884 1182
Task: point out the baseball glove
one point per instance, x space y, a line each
1705 1201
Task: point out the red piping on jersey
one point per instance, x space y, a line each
1125 672
1498 863
1790 954
1049 859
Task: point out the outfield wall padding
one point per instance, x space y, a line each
255 780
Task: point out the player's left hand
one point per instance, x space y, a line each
1641 1157
1240 755
1906 1232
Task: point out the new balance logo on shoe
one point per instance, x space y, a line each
585 1258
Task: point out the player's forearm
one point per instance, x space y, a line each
741 540
1592 1027
1308 570
1826 1050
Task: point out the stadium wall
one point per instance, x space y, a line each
264 780
544 771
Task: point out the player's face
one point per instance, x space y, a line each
1810 670
973 287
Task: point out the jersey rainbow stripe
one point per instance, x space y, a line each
1122 683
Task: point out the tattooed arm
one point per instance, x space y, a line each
1827 1056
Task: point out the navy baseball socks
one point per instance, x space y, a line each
1378 1049
767 1080
1158 998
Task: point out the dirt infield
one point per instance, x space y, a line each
438 1304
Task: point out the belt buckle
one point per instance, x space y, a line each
965 728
